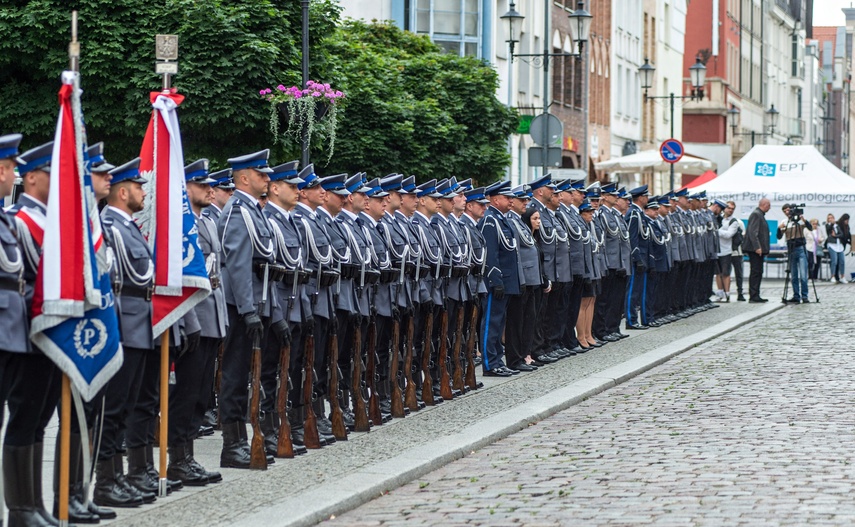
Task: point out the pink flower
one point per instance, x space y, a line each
262 92
280 88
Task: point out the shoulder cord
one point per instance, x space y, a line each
509 245
372 248
14 266
688 225
313 248
644 233
612 232
598 241
392 252
455 256
32 252
123 263
656 240
525 236
429 256
478 261
351 243
292 263
265 252
578 233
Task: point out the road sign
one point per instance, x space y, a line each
671 150
535 156
546 129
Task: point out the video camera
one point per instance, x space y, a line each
796 210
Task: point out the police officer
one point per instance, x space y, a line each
522 308
607 311
248 251
543 191
476 206
316 245
131 395
580 252
639 235
657 262
223 186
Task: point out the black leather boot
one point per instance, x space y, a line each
19 488
38 455
138 475
270 429
212 477
180 468
244 440
233 455
77 511
154 474
122 479
324 424
108 491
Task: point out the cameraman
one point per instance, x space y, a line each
794 229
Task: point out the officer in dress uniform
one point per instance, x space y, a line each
668 307
29 378
663 298
385 292
248 251
639 235
502 277
683 228
223 187
294 307
452 279
194 368
323 279
657 262
521 308
580 253
605 308
598 257
543 191
131 395
476 206
429 288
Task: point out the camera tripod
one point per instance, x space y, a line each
787 283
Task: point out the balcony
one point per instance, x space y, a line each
794 127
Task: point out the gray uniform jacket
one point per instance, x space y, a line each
687 250
211 311
454 253
626 246
133 264
382 295
563 270
613 238
318 257
529 257
15 319
213 212
351 227
577 237
477 253
247 243
546 239
396 241
431 250
289 253
343 293
415 253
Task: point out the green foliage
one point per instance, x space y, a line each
409 108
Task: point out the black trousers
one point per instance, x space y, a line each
574 305
188 396
599 324
120 397
26 384
142 418
520 313
237 358
554 316
296 364
383 350
419 341
737 272
755 275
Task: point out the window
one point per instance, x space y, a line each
454 25
667 26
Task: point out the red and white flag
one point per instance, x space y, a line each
180 277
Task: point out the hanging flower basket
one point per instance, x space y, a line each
312 109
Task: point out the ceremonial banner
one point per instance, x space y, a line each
180 277
74 317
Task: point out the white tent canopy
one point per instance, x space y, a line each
785 174
648 160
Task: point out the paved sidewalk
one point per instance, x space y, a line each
338 478
754 428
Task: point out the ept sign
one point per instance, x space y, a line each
764 169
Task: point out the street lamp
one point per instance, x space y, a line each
772 115
580 29
697 76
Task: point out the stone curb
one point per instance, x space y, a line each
360 487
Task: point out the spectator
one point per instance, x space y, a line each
531 219
834 243
737 256
757 246
794 231
727 230
815 241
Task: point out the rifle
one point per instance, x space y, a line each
371 375
427 380
284 445
360 412
470 347
410 388
336 415
444 378
257 453
394 377
311 439
219 376
458 383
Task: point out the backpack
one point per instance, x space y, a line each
738 238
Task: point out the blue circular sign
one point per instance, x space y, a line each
671 150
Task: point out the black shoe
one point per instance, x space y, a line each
638 326
620 335
511 370
233 455
497 372
805 301
108 492
138 475
210 418
477 360
180 468
654 324
537 363
740 298
757 300
577 350
522 366
213 476
545 359
793 300
610 338
205 430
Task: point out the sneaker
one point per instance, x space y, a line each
805 301
835 281
844 280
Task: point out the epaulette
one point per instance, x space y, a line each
106 220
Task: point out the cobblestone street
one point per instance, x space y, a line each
754 428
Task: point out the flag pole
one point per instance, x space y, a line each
65 417
164 408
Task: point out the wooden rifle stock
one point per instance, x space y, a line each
394 378
427 380
284 446
444 377
311 439
457 381
470 348
336 415
371 375
360 412
258 457
410 389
